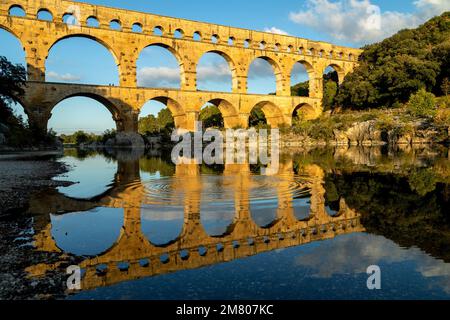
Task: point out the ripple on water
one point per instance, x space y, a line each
175 191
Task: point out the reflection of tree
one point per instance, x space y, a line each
389 207
82 154
423 181
154 165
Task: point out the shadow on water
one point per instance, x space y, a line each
148 229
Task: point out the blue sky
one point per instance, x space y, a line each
344 22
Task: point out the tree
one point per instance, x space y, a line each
391 71
422 104
148 125
301 89
211 117
165 119
329 94
257 117
445 87
12 80
81 137
423 181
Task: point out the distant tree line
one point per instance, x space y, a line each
81 137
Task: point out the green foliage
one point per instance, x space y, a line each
385 122
443 112
257 118
301 89
157 165
211 117
150 124
165 119
319 129
81 137
20 134
392 70
422 104
330 83
445 87
329 94
12 80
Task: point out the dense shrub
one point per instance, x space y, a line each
422 104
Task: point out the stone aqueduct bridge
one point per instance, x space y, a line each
133 256
238 46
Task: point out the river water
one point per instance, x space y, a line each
144 228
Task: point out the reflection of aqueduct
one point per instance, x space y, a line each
194 248
238 46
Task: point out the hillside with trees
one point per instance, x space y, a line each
399 66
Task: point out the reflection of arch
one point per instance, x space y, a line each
66 242
160 220
90 37
231 66
174 53
305 110
275 68
272 112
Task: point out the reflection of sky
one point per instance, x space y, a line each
217 209
302 208
264 212
161 225
332 269
87 233
93 176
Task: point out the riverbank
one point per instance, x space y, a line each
394 127
22 174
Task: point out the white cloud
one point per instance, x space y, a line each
354 253
360 21
167 77
260 69
276 31
217 73
155 77
62 77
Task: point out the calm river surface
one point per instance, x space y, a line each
144 228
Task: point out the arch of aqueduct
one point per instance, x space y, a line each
240 47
